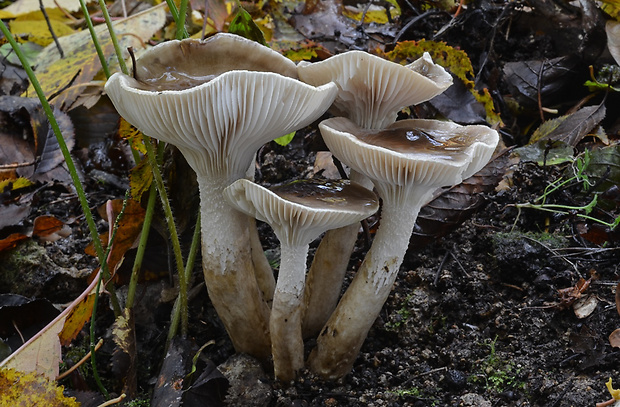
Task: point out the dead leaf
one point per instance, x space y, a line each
614 339
555 75
124 357
612 28
572 128
81 63
11 241
28 140
76 319
31 389
585 306
42 352
26 6
46 225
454 205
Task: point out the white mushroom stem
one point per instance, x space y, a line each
285 322
262 269
328 269
228 271
344 333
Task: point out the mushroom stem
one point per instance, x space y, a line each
285 322
344 333
263 271
328 269
229 272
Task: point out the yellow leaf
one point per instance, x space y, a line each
15 183
21 389
41 353
81 62
133 135
76 319
38 31
371 14
26 6
140 179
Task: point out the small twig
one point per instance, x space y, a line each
438 272
609 402
49 27
113 401
80 363
539 90
133 63
18 331
16 165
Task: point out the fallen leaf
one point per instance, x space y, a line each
11 241
77 318
31 389
572 128
585 306
81 63
26 6
614 338
454 205
42 352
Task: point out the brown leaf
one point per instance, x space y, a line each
572 128
614 338
46 225
455 205
11 241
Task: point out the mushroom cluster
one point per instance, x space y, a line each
218 101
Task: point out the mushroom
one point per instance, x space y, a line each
406 162
218 101
299 212
371 92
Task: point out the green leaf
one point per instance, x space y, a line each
546 152
285 140
243 25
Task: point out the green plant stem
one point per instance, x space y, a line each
174 237
181 32
189 266
563 210
174 11
93 359
108 22
137 265
77 183
93 34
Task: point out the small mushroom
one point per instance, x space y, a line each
218 101
371 92
299 212
406 162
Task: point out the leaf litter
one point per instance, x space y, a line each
478 292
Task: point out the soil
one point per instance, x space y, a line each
486 315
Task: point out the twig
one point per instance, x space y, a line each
80 363
113 401
18 331
49 27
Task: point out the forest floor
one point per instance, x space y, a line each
513 307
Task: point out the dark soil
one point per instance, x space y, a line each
479 317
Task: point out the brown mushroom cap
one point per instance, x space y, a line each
423 152
178 65
300 211
371 90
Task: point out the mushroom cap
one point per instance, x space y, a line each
411 152
300 211
219 124
372 90
180 64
